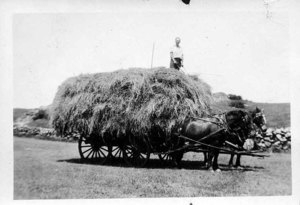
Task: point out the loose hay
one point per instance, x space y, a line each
132 104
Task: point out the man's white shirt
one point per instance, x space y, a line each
177 52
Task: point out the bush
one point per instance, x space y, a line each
41 114
237 104
234 97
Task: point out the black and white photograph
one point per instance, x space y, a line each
149 99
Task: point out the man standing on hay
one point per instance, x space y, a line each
176 55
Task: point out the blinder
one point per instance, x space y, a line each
260 118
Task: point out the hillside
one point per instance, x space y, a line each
277 114
37 117
18 112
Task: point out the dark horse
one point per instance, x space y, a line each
214 132
259 120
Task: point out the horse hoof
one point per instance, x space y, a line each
239 167
218 170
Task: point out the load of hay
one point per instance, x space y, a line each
141 104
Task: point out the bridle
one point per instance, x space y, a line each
232 132
257 116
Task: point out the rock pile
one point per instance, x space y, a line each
275 140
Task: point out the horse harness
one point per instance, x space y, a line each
223 124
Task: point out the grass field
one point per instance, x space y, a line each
46 169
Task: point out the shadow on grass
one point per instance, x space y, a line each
158 164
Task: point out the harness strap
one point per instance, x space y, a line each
218 118
233 145
205 120
204 144
211 134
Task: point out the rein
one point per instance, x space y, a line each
218 118
206 120
204 144
224 125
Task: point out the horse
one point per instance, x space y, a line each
259 120
213 133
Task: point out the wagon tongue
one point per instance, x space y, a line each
233 145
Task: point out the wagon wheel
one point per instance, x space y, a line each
116 152
93 150
174 158
165 158
134 157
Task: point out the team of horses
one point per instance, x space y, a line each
236 128
259 121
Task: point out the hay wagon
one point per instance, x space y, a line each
137 153
99 151
133 152
137 101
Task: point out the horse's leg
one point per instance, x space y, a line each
209 160
230 164
205 158
215 162
174 161
176 158
238 160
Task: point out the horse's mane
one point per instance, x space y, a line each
238 118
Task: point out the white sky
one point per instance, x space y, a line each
236 51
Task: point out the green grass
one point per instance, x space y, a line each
46 169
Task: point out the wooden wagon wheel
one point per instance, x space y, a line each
134 157
168 158
116 152
165 158
92 149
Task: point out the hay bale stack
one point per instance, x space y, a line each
147 104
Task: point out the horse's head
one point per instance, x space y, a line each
259 118
240 126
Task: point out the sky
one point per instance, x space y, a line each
238 51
